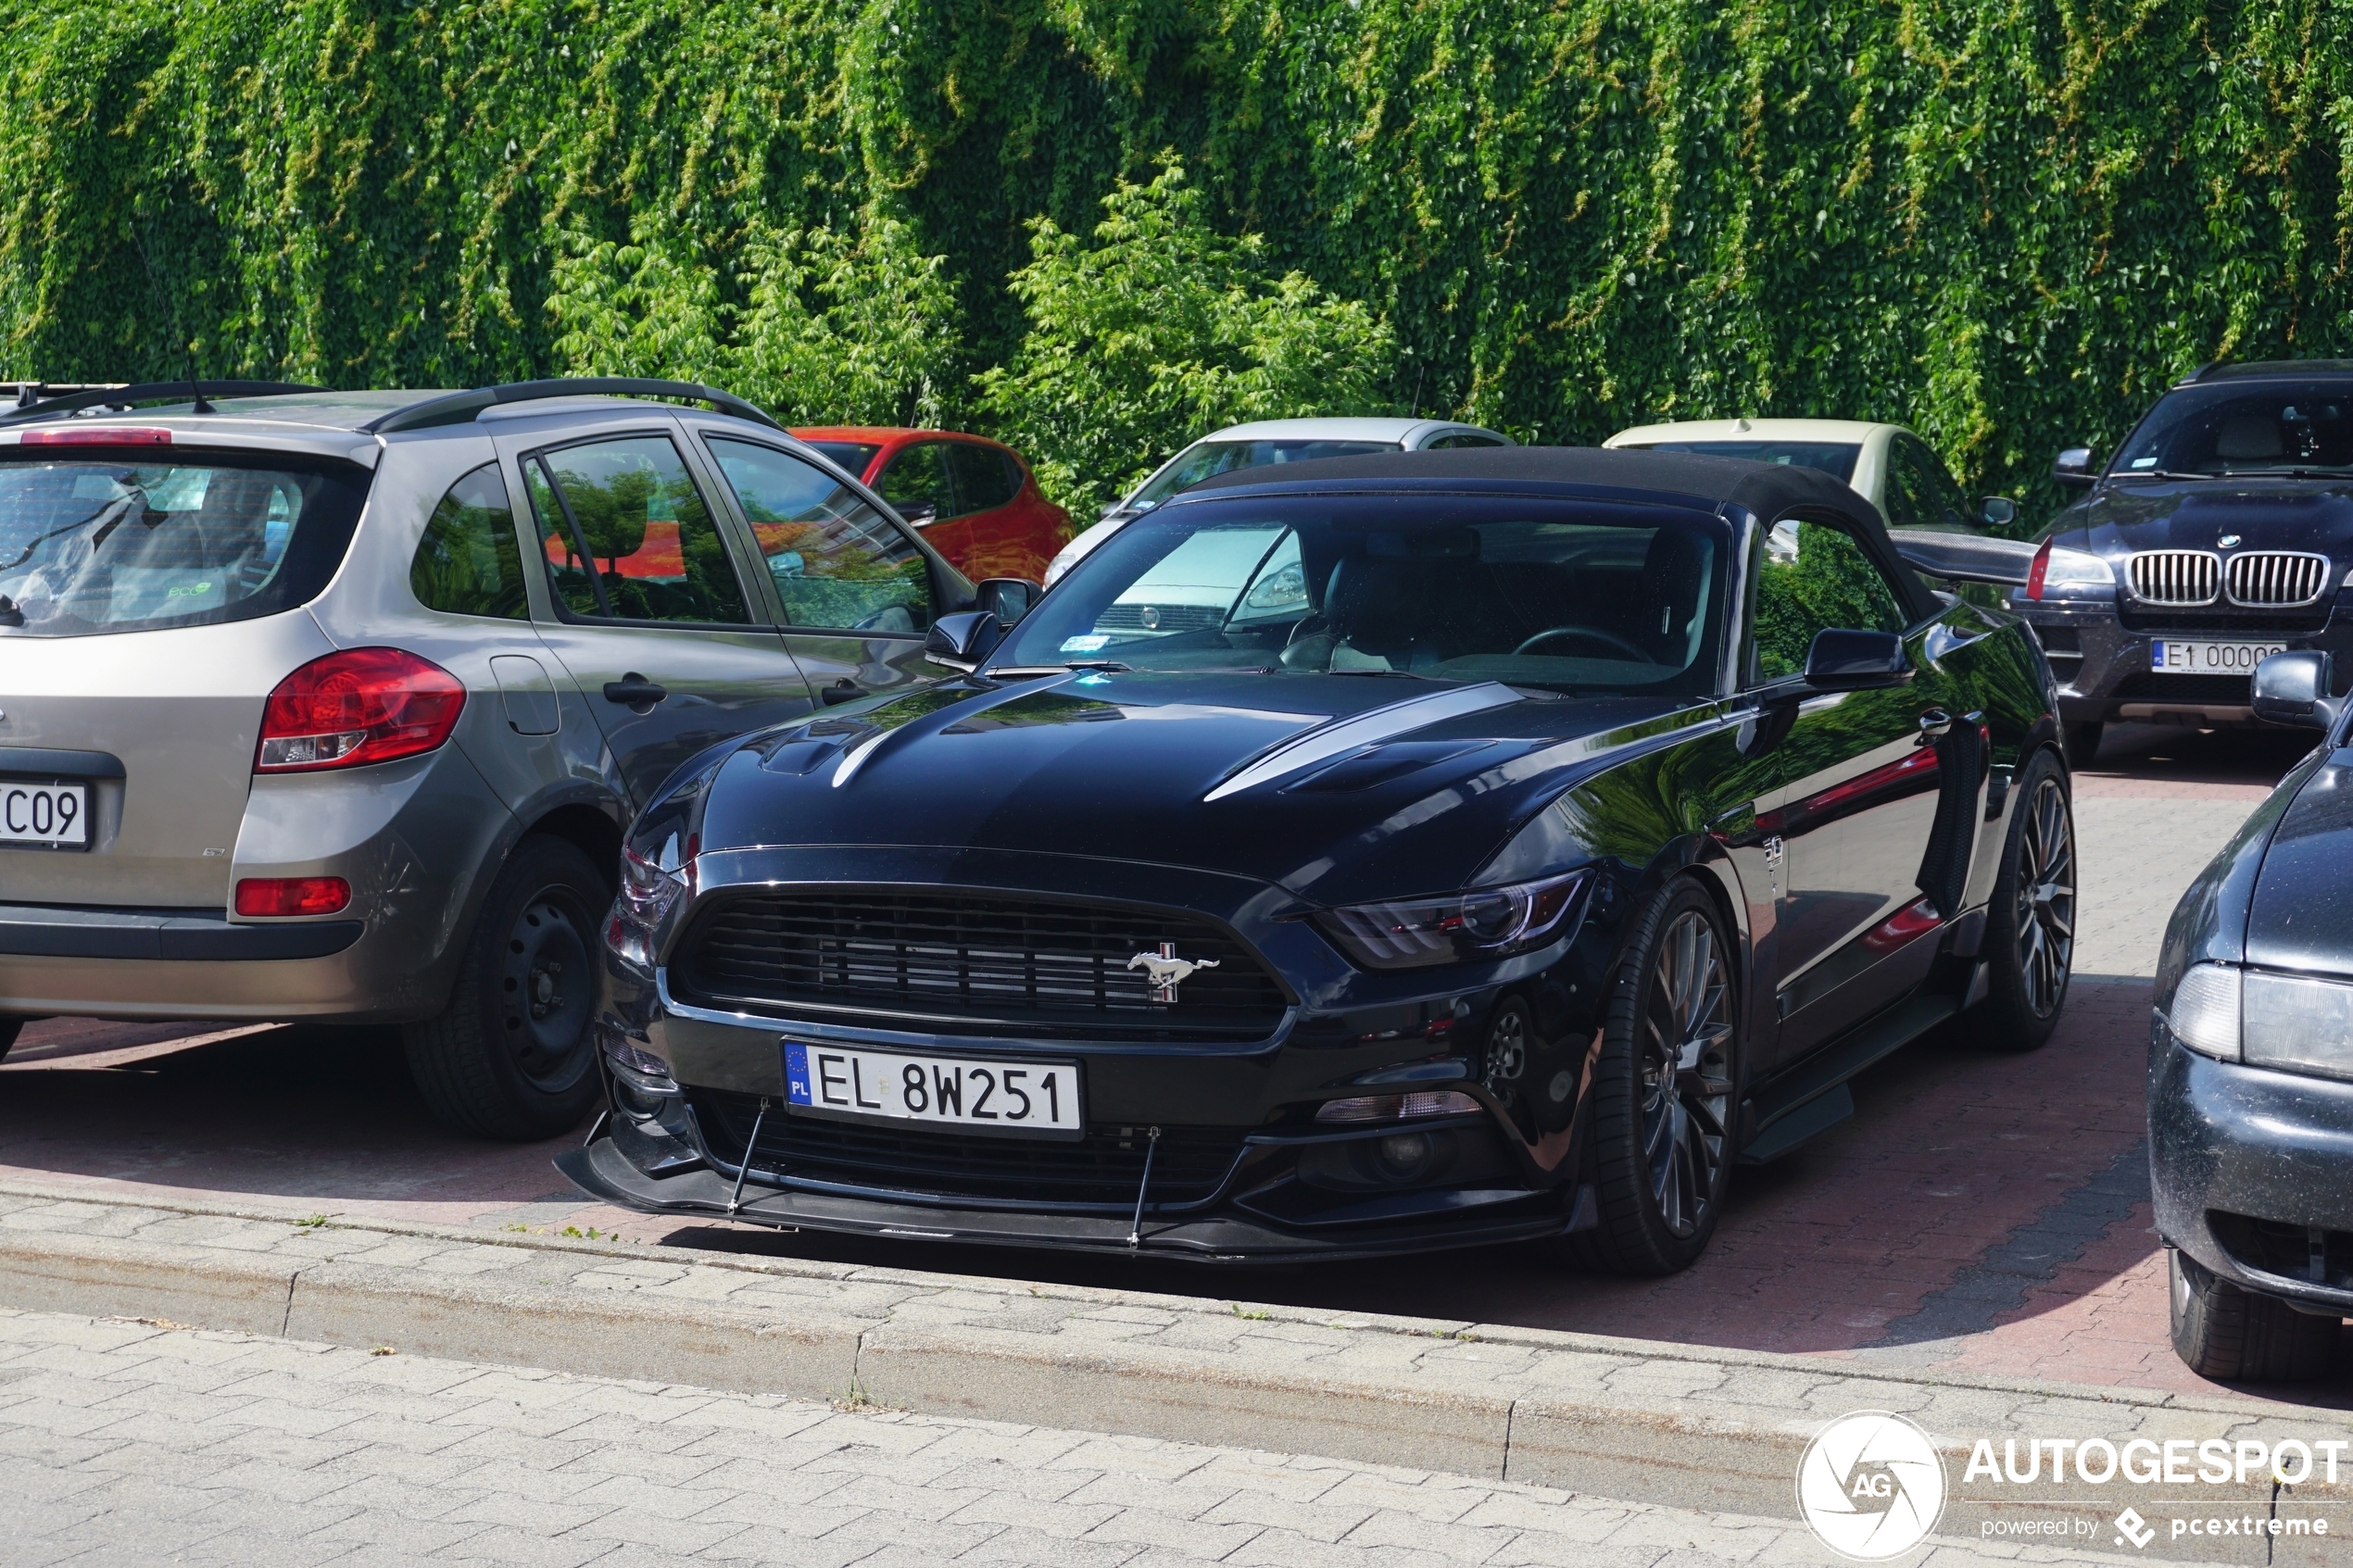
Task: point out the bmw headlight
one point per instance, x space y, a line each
1486 923
2290 1023
2056 567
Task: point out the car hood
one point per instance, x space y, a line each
2195 515
1334 787
2301 916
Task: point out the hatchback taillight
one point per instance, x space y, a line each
358 706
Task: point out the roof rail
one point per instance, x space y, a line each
32 404
463 407
2200 373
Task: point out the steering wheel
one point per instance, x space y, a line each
1607 639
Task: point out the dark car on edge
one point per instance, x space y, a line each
2251 1066
2221 532
1528 836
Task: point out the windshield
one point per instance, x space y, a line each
1203 459
851 456
2245 427
96 544
1574 596
1833 458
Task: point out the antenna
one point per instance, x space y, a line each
198 404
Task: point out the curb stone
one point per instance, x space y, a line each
1685 1425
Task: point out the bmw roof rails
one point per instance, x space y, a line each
41 400
463 407
2201 372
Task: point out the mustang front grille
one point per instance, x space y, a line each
1101 1171
978 963
2174 577
2276 578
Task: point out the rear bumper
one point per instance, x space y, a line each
413 839
2249 1167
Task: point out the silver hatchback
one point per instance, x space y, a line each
334 705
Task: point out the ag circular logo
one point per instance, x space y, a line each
1872 1485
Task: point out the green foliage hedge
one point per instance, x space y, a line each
2007 224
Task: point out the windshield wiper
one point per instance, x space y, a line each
2164 473
1407 674
1031 671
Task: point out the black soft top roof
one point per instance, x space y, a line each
1771 491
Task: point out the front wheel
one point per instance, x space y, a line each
2231 1335
511 1057
1664 1090
2030 923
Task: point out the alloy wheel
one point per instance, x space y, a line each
1686 1040
545 990
2045 923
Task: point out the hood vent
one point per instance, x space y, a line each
2277 578
2177 578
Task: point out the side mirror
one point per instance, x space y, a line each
1842 661
919 514
2075 468
1007 598
2293 688
963 640
1997 511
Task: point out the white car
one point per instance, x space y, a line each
1270 441
1887 465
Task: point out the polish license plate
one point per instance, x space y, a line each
2174 655
1036 1098
45 813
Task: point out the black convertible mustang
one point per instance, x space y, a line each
1408 852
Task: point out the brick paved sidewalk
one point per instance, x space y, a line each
133 1443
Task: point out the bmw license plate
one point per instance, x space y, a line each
2174 655
1039 1099
56 816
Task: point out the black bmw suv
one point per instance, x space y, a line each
2221 532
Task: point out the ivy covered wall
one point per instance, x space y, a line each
2006 223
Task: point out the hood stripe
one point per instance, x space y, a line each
1365 729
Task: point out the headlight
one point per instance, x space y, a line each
1486 923
2205 1011
2299 1025
2285 1021
647 895
2056 566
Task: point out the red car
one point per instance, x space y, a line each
974 499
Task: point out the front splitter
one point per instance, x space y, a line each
603 1171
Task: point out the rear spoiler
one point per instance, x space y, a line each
1964 558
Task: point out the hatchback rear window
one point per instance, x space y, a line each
93 543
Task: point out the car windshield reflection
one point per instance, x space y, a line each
1569 596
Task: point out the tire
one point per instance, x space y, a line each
2082 743
2030 923
2234 1336
1662 1149
512 1056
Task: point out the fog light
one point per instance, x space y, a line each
278 896
1398 1108
1404 1156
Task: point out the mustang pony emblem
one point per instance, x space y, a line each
1167 971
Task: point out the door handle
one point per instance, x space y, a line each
1933 723
634 690
843 690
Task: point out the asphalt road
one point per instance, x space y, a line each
1982 1212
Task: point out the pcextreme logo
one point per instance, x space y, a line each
1870 1485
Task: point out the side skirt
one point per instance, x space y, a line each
1812 1096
